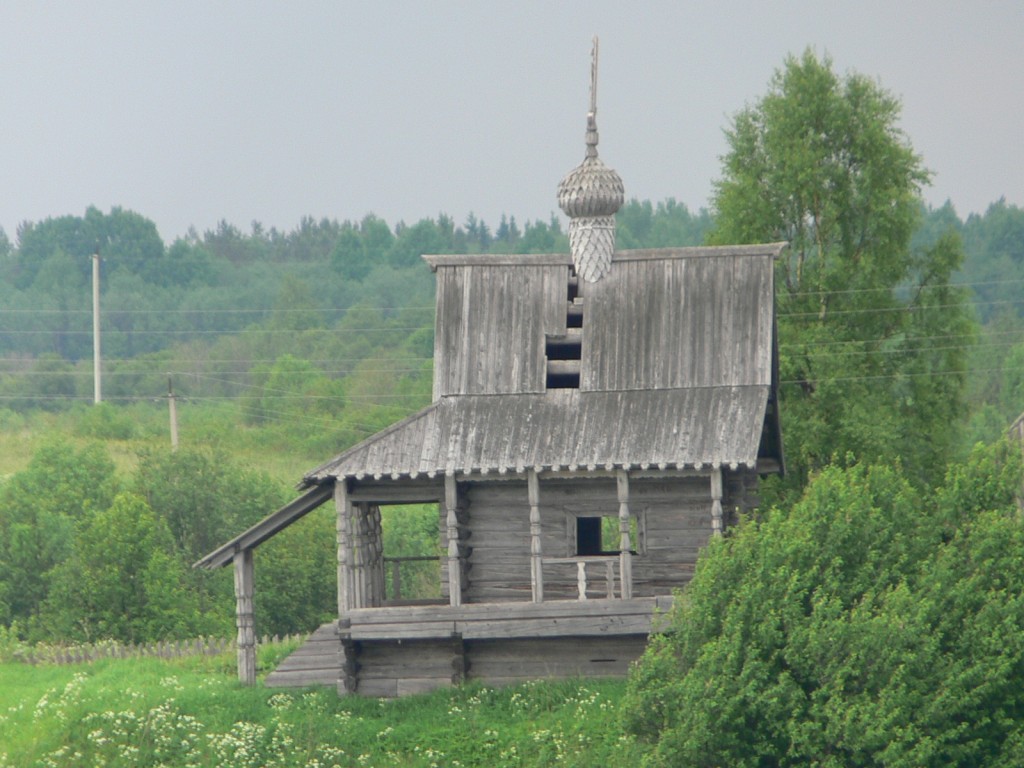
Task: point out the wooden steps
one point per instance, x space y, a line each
318 661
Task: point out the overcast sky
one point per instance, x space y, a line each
191 112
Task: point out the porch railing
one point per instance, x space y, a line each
606 563
394 564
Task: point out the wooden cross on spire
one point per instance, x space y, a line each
593 78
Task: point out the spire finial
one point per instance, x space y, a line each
592 114
593 78
590 195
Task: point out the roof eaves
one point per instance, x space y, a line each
322 472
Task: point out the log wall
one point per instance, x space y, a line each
674 523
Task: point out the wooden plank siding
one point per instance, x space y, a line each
490 327
678 323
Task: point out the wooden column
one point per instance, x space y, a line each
343 508
536 552
716 501
625 545
244 617
375 555
360 565
451 504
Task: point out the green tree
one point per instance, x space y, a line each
122 581
543 237
377 238
349 254
297 573
41 509
414 241
294 388
821 163
994 265
205 498
669 224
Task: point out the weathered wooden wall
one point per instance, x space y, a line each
493 521
660 323
491 324
674 522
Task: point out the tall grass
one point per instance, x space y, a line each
191 712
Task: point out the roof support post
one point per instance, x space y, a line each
244 583
625 545
360 557
343 507
375 555
536 552
451 503
716 501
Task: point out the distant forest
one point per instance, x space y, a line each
334 312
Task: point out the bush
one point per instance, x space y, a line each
858 628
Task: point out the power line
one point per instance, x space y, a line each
239 311
231 332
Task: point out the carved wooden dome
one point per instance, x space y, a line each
590 194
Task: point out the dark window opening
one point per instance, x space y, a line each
574 286
574 316
588 535
602 536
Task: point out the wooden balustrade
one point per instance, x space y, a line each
396 571
607 561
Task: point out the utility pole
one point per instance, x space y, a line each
97 390
172 404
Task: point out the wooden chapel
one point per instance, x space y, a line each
597 417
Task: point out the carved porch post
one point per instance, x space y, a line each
451 503
344 511
625 545
716 501
536 554
244 617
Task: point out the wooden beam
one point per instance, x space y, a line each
267 527
244 619
343 507
625 545
375 549
359 557
451 503
716 501
536 551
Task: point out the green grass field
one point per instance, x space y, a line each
192 712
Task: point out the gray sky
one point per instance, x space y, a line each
191 112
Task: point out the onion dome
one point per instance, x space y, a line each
590 194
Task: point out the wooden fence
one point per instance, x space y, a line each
170 649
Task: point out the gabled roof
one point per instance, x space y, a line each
565 430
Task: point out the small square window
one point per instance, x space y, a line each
601 535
